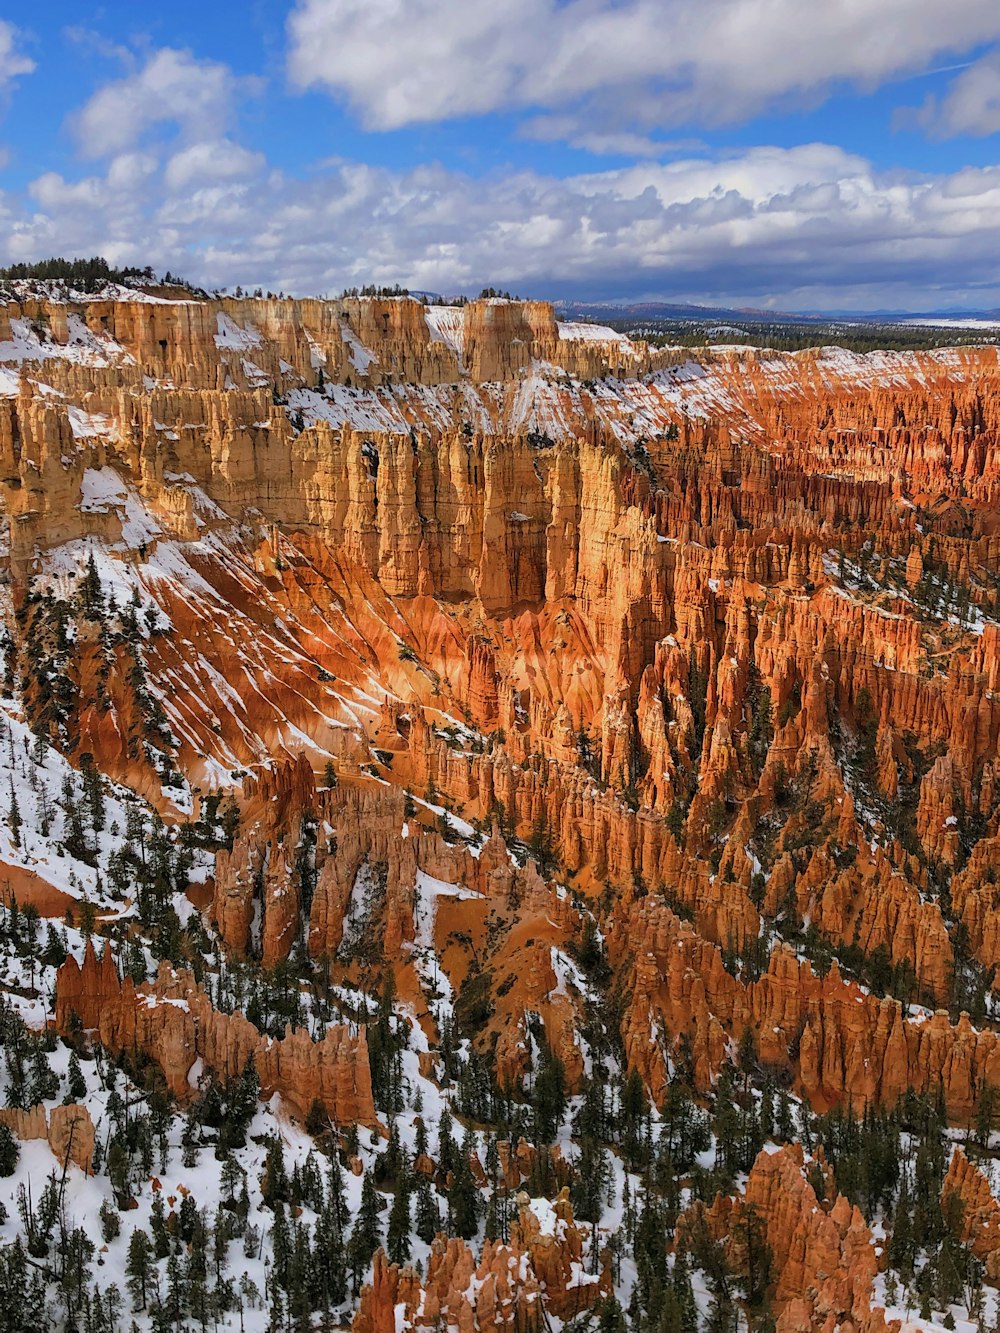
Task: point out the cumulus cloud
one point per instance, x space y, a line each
616 64
970 106
810 225
171 88
211 161
13 62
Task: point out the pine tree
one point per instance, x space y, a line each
93 791
750 1232
14 817
93 601
398 1235
242 1106
157 1220
463 1197
446 1144
681 1281
548 1097
76 1082
428 1218
631 1113
367 1234
590 1181
542 845
118 1170
111 1224
10 1151
274 1182
139 1267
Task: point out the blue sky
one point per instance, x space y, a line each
760 152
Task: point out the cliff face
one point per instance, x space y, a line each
486 922
68 1130
840 1044
980 1211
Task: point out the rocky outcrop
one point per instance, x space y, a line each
174 1023
843 1046
542 1268
703 632
979 1210
67 1128
823 1257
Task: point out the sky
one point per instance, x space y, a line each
779 154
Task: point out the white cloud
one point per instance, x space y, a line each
808 226
171 88
12 61
970 106
213 160
613 65
600 142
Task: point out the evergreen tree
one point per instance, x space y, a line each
139 1266
90 591
548 1097
14 817
93 791
10 1151
398 1235
428 1218
76 1082
463 1197
367 1233
590 1182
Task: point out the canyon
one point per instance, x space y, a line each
598 703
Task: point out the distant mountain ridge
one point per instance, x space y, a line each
640 310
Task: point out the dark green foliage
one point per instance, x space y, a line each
10 1151
87 275
367 1233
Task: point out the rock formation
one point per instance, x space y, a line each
68 1129
822 1254
505 1289
174 1023
980 1212
537 668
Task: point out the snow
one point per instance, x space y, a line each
36 775
32 342
952 322
429 892
447 325
149 561
358 354
230 336
59 292
90 425
573 331
101 489
339 406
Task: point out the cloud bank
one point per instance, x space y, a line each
614 63
811 222
167 180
